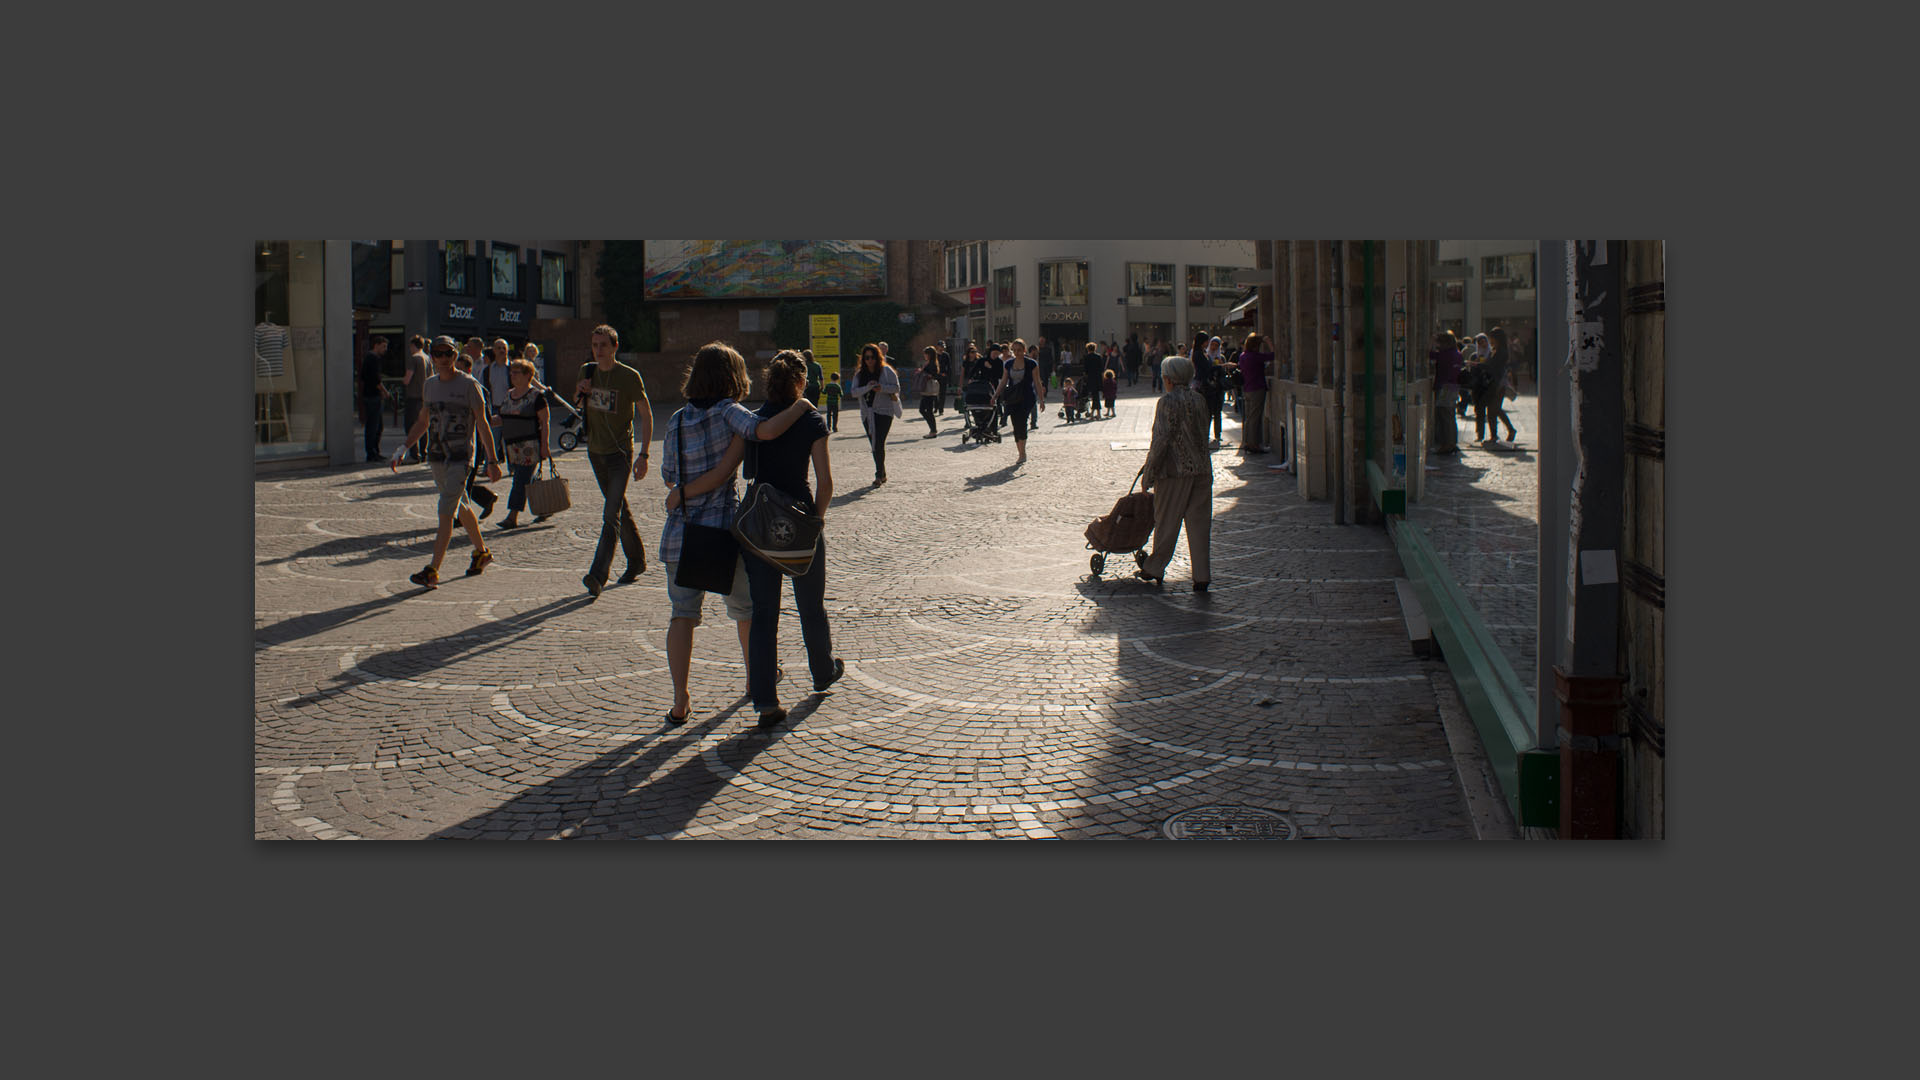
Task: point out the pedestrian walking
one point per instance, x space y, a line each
525 441
832 393
497 381
1134 358
944 363
613 398
1110 389
1255 355
455 411
413 388
703 445
373 396
480 495
878 387
1179 472
1209 381
816 379
1016 392
1446 362
928 378
1491 399
782 463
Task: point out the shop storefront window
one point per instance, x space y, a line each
1063 284
1507 277
553 278
455 264
289 348
1149 284
1221 287
372 274
504 280
1003 291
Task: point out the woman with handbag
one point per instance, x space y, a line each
877 386
695 544
781 463
1179 472
523 430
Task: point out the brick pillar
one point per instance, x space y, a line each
1589 755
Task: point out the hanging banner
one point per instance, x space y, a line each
825 333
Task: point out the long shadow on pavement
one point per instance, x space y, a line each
618 795
413 661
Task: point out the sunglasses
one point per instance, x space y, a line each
442 352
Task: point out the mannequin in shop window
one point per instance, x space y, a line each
269 349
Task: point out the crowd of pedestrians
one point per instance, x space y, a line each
466 424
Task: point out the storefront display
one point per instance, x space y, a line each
289 352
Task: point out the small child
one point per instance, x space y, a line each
833 402
1110 388
1069 402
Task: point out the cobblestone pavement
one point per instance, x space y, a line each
1481 511
994 687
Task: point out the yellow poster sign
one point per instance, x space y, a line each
825 332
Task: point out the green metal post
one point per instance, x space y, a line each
1366 299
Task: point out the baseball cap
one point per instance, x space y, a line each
443 341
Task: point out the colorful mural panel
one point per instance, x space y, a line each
738 269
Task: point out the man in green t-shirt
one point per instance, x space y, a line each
613 398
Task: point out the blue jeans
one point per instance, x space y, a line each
613 471
809 598
517 494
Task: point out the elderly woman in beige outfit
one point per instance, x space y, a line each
1179 472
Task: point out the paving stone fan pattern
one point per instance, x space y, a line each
995 688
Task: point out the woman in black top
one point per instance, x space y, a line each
1017 393
782 462
930 390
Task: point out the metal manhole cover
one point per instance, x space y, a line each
1228 823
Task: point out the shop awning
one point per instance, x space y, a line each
1246 310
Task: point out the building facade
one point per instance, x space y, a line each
1074 291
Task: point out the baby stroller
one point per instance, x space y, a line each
983 413
573 426
1125 528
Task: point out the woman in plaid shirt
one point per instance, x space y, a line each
699 434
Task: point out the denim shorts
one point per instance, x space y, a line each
451 478
687 602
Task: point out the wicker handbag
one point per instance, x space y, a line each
547 495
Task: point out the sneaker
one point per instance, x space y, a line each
593 584
428 578
479 563
839 669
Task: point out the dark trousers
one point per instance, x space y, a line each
833 417
929 406
414 405
1213 415
374 422
809 599
877 430
941 401
517 494
612 472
